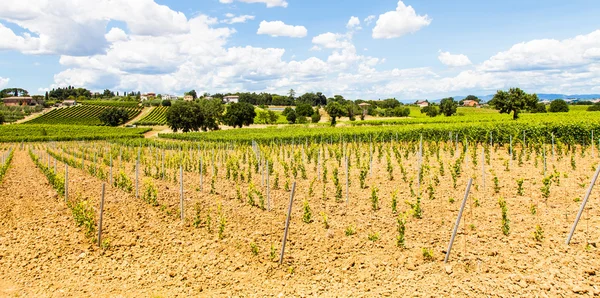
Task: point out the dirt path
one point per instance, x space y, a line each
145 111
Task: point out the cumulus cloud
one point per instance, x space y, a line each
353 23
331 41
233 19
269 3
279 28
402 21
115 34
452 60
4 82
544 54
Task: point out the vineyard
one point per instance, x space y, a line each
78 115
158 116
13 114
111 103
209 217
41 133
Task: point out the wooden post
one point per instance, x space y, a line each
101 214
66 182
268 189
460 212
111 170
287 223
587 196
181 189
201 172
483 167
347 181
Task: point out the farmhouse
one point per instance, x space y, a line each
148 96
21 101
188 98
231 99
69 102
470 103
169 97
422 103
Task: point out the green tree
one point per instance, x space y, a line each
316 116
239 114
430 110
113 116
1 118
304 109
291 117
539 108
211 114
513 101
558 105
286 111
273 117
335 110
448 106
183 116
166 103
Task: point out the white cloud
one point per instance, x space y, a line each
269 3
353 23
452 60
279 28
331 41
368 20
232 19
115 34
544 54
402 21
3 82
79 27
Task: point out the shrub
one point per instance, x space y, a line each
558 105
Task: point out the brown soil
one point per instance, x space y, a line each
43 253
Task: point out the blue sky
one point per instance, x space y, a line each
360 49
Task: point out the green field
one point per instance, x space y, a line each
40 133
158 116
78 115
573 127
111 103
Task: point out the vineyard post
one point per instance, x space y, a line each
101 214
268 189
48 152
319 165
455 142
201 172
347 181
552 145
66 182
419 165
137 176
587 196
483 167
510 152
111 166
181 188
544 153
287 223
460 212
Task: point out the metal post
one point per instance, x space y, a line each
101 214
460 212
587 196
287 223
